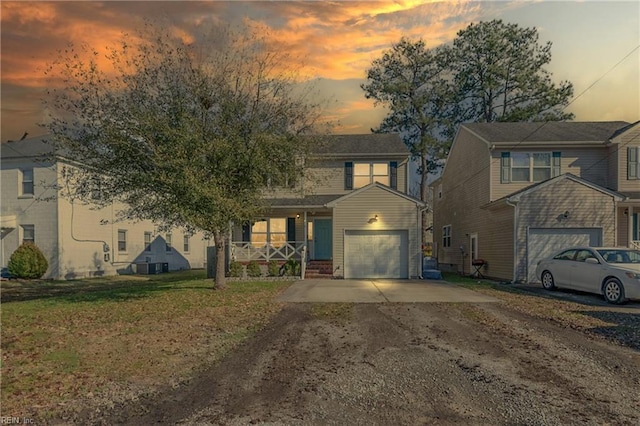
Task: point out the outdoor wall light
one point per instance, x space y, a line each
373 219
566 214
298 216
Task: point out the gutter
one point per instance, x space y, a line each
515 239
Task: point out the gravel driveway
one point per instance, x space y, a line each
407 364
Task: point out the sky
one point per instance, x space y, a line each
596 45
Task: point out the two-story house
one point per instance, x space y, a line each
77 239
512 193
350 217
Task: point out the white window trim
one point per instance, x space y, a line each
21 182
168 243
126 246
446 233
531 166
22 233
147 246
186 244
371 175
269 232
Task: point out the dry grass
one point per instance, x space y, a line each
112 338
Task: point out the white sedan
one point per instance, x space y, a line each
612 272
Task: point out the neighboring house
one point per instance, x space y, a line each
349 217
77 239
513 193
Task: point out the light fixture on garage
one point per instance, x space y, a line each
373 219
565 215
298 216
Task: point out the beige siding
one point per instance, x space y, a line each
394 213
613 164
588 163
28 210
544 207
629 139
465 187
327 178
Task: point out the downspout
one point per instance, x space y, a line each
419 235
515 240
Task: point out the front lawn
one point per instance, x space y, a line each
111 339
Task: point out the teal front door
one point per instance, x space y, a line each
323 239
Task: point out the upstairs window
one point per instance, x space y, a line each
147 241
185 244
633 163
446 236
529 166
122 240
26 182
359 174
168 242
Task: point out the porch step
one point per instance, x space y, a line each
319 269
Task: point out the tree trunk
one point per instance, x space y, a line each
220 282
423 195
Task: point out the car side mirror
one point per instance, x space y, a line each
591 260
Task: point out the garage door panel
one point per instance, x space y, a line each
544 242
376 254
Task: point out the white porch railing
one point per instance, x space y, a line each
246 251
635 245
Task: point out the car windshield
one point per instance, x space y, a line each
620 255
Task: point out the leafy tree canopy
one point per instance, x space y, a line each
184 134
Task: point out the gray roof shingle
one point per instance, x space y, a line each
363 144
552 131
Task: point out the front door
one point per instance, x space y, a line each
323 239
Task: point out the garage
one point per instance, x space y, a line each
376 254
543 242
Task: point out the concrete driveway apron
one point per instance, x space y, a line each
379 291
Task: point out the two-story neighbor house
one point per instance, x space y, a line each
77 239
350 217
513 193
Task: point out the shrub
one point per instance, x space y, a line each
28 262
235 269
273 268
292 268
253 269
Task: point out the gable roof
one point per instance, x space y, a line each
26 148
333 203
370 144
516 196
551 131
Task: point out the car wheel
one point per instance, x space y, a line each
613 291
547 281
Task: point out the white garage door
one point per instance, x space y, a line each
544 242
376 254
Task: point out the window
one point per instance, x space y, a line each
147 241
122 240
28 234
272 230
446 236
583 255
566 255
167 242
186 244
357 175
633 163
26 178
529 166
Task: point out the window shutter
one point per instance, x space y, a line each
291 229
348 175
393 174
505 168
555 165
246 232
636 231
633 166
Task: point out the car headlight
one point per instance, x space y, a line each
633 275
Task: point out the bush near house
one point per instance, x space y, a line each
273 268
253 269
292 268
235 269
28 262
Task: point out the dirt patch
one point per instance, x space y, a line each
394 363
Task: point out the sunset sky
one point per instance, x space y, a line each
595 45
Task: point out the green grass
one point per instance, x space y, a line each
64 340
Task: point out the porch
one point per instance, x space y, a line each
629 224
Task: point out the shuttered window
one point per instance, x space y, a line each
348 175
633 163
393 174
505 167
